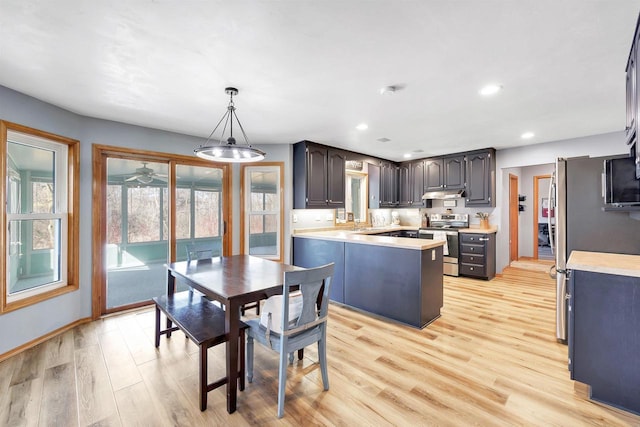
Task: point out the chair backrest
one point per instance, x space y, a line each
197 251
310 282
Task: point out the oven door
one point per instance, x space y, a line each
452 242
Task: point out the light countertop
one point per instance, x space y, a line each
492 229
361 237
599 262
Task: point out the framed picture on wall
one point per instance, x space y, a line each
546 212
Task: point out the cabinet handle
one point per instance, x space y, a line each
471 268
486 239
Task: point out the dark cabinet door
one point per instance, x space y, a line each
317 176
389 179
632 97
454 172
374 186
416 183
335 178
480 179
433 174
404 185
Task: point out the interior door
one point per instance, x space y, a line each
513 217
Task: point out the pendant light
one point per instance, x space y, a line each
229 151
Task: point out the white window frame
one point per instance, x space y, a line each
65 202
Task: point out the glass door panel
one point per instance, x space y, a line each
137 232
264 216
198 209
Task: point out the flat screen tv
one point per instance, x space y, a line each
621 186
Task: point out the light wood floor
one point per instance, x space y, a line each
491 359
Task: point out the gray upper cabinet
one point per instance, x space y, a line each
433 174
388 185
411 184
454 172
444 173
633 100
318 176
374 186
481 178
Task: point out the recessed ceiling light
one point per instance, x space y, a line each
491 89
362 126
527 135
407 155
388 90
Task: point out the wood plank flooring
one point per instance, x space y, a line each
491 359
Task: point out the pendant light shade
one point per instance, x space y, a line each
228 151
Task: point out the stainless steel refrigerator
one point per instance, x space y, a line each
576 191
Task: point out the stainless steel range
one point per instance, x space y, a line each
445 227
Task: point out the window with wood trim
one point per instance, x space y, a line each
262 207
39 236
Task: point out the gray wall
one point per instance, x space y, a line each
21 326
516 159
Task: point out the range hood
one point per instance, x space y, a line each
443 194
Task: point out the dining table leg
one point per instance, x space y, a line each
232 324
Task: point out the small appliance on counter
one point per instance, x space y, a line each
445 227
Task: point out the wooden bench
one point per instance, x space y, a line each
203 322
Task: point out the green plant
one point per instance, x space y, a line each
482 215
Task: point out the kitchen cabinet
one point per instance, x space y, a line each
318 176
433 174
604 342
444 173
633 109
478 255
411 292
454 172
388 185
480 178
374 185
411 184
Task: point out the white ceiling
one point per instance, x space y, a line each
313 69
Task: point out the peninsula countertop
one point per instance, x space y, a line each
368 237
608 263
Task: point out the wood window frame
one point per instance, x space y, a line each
72 213
244 241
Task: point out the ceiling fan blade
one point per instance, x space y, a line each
164 175
161 178
132 178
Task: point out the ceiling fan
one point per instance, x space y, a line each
145 175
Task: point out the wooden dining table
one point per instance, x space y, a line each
233 281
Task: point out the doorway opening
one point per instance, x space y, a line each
543 218
149 207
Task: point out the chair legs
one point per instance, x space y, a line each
205 387
157 327
203 377
250 359
322 357
282 380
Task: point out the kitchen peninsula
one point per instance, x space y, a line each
397 278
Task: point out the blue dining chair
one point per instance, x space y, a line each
310 327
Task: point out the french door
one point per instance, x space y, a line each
148 207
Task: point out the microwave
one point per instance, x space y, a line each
621 187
